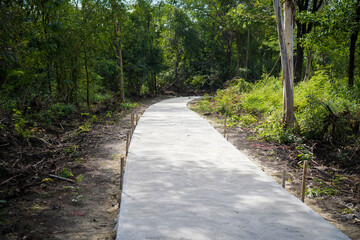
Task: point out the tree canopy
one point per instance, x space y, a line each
80 51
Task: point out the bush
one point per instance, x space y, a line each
325 108
55 111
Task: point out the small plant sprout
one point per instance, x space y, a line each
65 173
79 178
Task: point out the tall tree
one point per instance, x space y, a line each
284 41
117 12
353 38
303 28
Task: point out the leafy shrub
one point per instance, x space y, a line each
205 104
128 105
325 108
56 111
61 109
20 125
207 81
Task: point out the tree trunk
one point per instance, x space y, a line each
353 39
289 39
238 54
177 61
119 60
73 91
59 84
288 95
308 66
229 55
247 54
299 62
117 43
87 81
302 30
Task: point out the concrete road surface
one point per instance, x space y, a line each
183 180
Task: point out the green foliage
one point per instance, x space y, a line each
247 120
71 150
86 127
20 125
94 118
205 104
76 196
65 173
129 105
321 190
79 178
54 112
325 109
61 110
305 154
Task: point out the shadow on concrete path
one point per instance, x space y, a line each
183 180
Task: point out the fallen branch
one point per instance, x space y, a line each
61 178
9 179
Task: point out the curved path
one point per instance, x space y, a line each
183 180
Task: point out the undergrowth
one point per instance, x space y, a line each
325 109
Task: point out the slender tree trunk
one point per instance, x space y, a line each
117 43
177 61
87 81
229 55
74 77
119 59
238 54
308 66
353 39
154 82
289 39
58 81
247 54
48 75
302 30
299 62
288 95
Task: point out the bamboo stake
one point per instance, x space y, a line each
121 173
283 178
225 126
127 143
303 182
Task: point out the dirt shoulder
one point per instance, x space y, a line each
35 205
337 201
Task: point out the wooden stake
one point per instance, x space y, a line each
303 182
283 178
121 173
127 143
132 123
225 126
137 120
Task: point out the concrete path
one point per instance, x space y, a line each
183 180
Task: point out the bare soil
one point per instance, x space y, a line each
35 205
341 209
